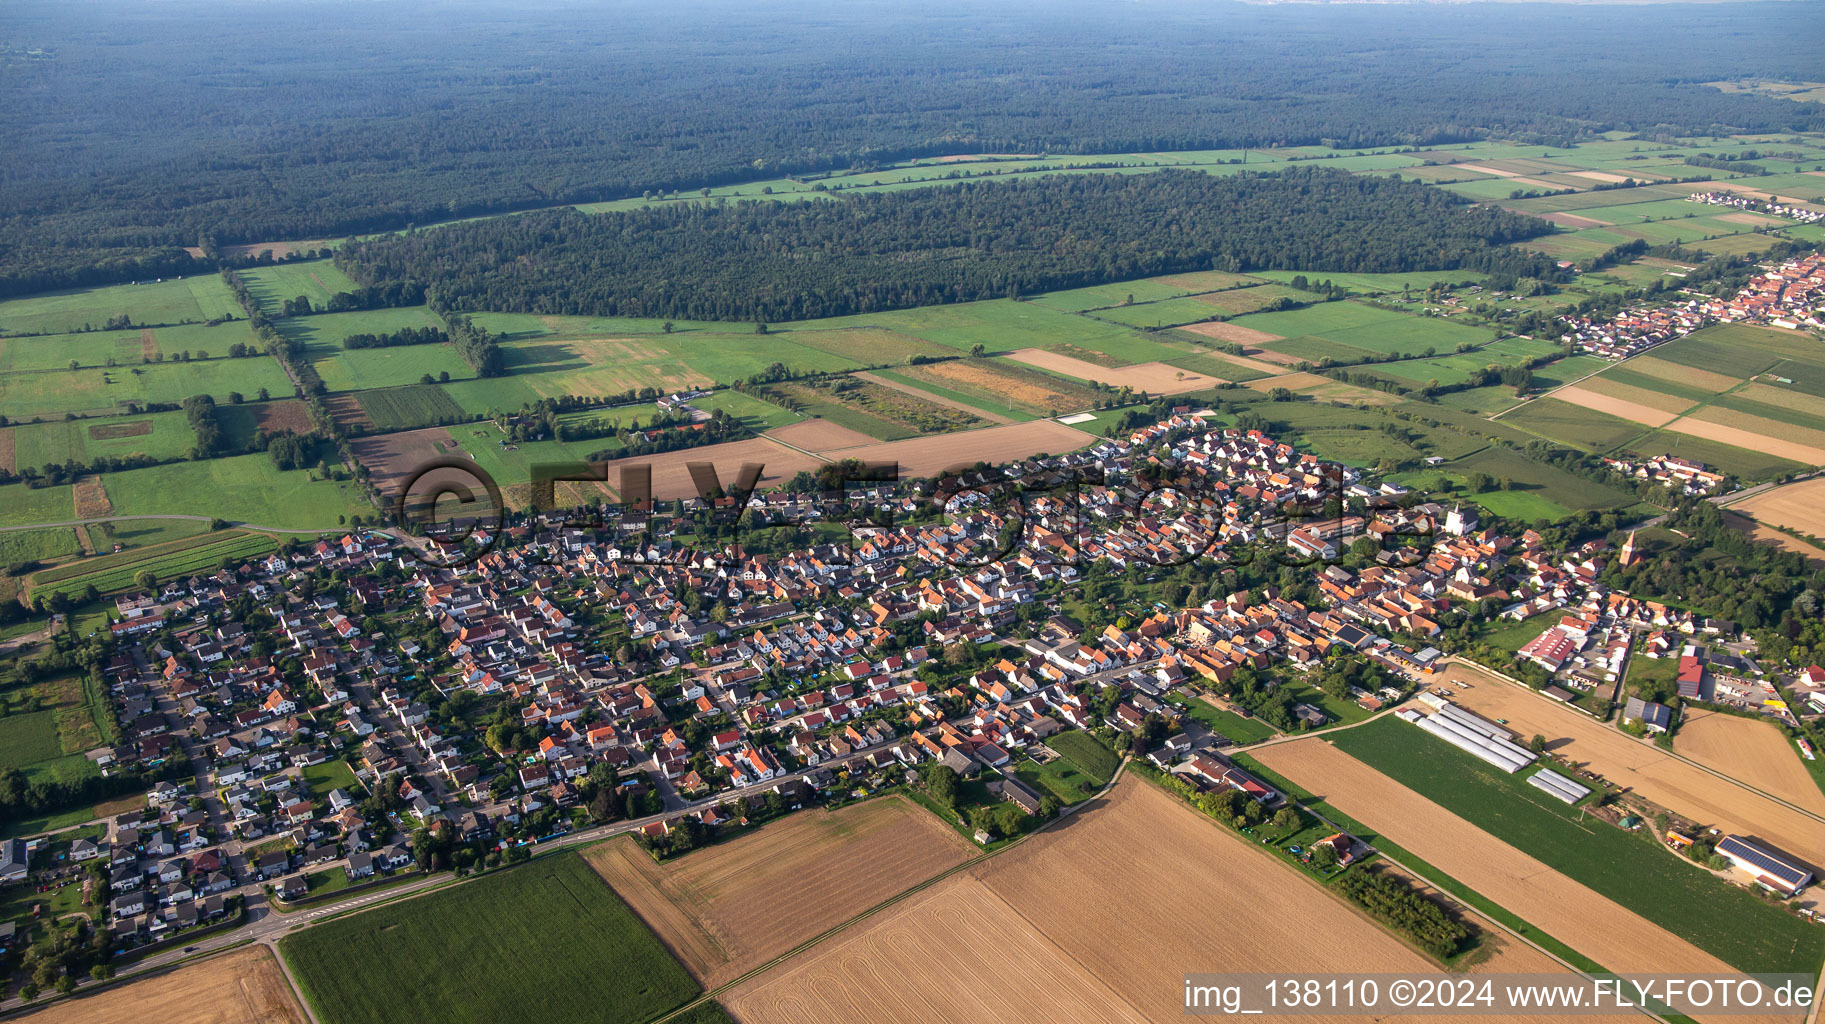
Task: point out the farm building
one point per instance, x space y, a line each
1771 870
1471 734
1654 717
1558 785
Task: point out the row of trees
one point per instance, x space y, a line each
748 261
403 336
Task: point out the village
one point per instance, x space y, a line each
571 677
1790 296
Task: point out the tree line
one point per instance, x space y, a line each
879 251
403 336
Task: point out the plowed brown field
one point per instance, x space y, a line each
1643 767
1756 752
728 909
1095 920
244 987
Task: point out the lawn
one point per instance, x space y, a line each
548 934
29 738
1723 919
196 298
1241 731
1061 778
1511 635
1084 751
321 778
316 280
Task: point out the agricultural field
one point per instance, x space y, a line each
1092 957
882 413
731 907
242 488
755 414
409 407
111 573
105 390
927 456
1743 463
1008 385
1574 425
1103 296
1623 867
164 435
52 542
1164 313
1153 378
1796 506
242 987
1757 753
819 436
46 727
1647 769
1468 832
550 923
1380 284
21 505
316 280
140 345
195 299
1539 491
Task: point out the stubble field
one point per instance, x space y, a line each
1647 769
1755 752
243 987
1153 378
1095 920
1797 506
927 456
728 909
1594 925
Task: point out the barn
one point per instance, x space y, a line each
1770 869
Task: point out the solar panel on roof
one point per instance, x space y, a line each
1736 847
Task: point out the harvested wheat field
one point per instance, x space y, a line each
1086 936
1648 770
671 478
1600 176
1770 443
728 909
391 459
1594 925
1223 331
1154 378
817 435
1758 753
1634 411
1630 393
243 987
1679 373
1769 535
1797 506
930 456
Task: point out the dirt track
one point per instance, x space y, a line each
245 987
728 909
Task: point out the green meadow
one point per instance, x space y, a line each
197 298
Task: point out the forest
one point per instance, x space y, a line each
889 250
134 129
